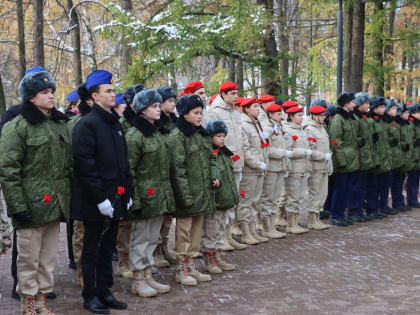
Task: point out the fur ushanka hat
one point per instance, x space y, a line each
144 99
33 83
217 126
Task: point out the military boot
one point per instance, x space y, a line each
41 307
292 226
281 218
236 230
318 219
183 275
159 287
195 273
210 264
252 230
160 260
232 242
123 268
79 275
275 234
227 246
140 286
27 305
314 223
165 252
223 264
247 238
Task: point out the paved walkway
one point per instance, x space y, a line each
369 268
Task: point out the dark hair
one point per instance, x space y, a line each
94 89
72 103
289 116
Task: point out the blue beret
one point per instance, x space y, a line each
35 69
98 77
119 99
73 96
144 99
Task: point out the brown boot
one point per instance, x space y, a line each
140 286
223 264
79 275
252 230
210 264
159 287
165 252
123 268
160 260
27 305
276 234
281 218
195 273
247 238
41 307
292 226
183 275
319 223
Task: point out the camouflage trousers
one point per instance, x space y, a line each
6 229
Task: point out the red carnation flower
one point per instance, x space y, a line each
376 117
311 139
47 198
243 193
235 158
411 119
334 143
393 124
295 138
364 116
120 190
150 192
215 152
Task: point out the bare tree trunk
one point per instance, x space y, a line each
2 98
358 46
77 56
21 38
282 6
411 62
125 49
39 32
232 69
378 48
347 44
90 42
389 48
240 74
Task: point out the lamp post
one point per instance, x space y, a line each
340 48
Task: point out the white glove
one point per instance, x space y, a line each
327 156
276 128
289 154
309 152
264 135
240 177
106 208
263 166
129 204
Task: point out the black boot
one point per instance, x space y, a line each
51 296
114 255
339 222
365 217
72 264
414 205
15 295
388 210
324 215
94 305
111 302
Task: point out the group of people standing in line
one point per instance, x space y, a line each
119 168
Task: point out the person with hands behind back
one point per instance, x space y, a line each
102 189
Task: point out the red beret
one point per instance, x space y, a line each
290 103
248 101
212 98
317 109
273 108
239 101
294 109
228 86
408 104
193 86
266 99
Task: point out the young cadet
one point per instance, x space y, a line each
367 158
379 178
129 114
264 101
74 100
197 88
274 180
321 165
120 104
299 167
399 175
149 160
163 258
413 176
255 150
343 137
226 197
193 174
35 179
223 108
102 189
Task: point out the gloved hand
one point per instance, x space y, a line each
106 208
394 142
417 142
22 217
363 142
240 176
375 137
309 152
129 204
263 166
328 156
276 128
289 154
264 135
